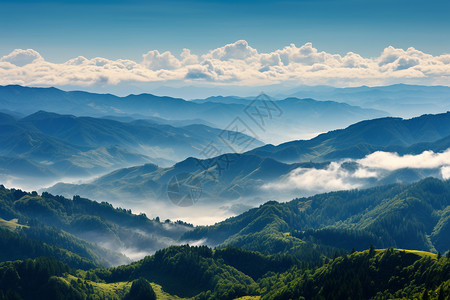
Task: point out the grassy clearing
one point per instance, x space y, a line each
11 225
417 252
118 290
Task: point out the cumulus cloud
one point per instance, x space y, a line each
234 63
359 173
238 50
21 57
156 61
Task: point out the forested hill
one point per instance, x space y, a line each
202 273
74 229
308 248
414 216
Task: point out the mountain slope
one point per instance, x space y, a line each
327 162
47 146
360 139
201 273
86 227
402 216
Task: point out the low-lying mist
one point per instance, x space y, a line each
374 169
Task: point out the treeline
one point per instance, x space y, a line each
80 225
203 273
399 216
386 274
17 246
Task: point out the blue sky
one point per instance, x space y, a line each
60 30
141 45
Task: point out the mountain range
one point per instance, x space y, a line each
49 146
353 157
305 247
360 212
402 100
399 99
264 117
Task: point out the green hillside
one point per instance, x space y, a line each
411 216
83 227
201 273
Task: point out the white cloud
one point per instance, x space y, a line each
156 61
338 176
235 63
21 57
393 161
238 50
331 178
445 171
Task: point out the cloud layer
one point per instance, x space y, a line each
360 173
236 63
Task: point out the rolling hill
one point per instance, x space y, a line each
411 216
78 231
307 247
278 172
45 146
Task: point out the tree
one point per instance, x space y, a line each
141 290
441 294
425 295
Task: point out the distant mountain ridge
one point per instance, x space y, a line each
245 179
362 138
51 145
306 117
398 99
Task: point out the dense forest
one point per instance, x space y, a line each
230 273
414 216
379 243
78 229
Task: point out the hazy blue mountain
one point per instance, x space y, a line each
45 145
276 172
227 99
360 139
141 136
241 178
399 99
305 117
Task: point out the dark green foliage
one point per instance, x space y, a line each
185 271
256 264
16 245
77 225
141 290
278 251
400 216
202 273
384 275
32 279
